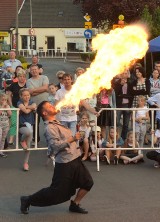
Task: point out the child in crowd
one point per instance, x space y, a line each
52 91
84 130
131 156
141 118
115 154
7 76
100 140
26 121
155 154
4 121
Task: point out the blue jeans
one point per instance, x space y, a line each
126 117
71 125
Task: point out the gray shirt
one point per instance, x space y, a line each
35 83
56 136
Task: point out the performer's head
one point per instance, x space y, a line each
46 110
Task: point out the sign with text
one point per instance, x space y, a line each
88 25
3 34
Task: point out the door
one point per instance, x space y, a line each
50 46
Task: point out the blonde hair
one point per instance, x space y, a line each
60 72
21 72
3 95
23 90
110 139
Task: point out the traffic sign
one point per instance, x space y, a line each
87 17
88 25
88 34
118 26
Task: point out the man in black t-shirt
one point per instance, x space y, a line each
35 62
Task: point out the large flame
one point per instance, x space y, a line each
115 51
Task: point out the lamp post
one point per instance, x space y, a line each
31 43
16 27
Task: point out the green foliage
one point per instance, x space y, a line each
146 17
156 22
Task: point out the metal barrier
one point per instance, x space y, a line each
133 110
17 134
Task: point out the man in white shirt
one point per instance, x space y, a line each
12 60
67 115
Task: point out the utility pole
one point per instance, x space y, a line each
17 27
31 40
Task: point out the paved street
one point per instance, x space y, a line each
120 193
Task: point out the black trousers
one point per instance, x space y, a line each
66 179
153 155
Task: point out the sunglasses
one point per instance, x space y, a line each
60 77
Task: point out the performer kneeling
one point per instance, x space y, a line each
69 173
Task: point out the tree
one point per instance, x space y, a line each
101 10
156 22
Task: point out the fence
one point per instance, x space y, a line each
133 110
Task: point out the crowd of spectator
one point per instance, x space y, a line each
25 89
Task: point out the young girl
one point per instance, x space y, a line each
52 91
141 118
100 140
129 156
110 144
4 121
26 121
84 130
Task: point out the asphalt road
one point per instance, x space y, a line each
120 193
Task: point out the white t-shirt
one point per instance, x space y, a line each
86 131
67 113
141 113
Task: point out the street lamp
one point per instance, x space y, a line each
16 27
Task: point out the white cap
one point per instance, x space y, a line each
97 128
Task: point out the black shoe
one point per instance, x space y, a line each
24 205
76 208
115 160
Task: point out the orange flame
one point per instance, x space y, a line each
115 51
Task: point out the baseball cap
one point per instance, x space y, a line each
97 128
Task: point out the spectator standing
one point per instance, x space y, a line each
154 83
67 115
12 59
141 118
26 121
4 121
35 61
84 130
141 86
13 98
79 71
38 88
59 75
105 99
124 99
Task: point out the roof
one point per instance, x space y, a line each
51 14
8 13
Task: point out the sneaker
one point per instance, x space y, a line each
24 145
26 167
24 205
107 160
156 165
3 155
115 160
76 208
